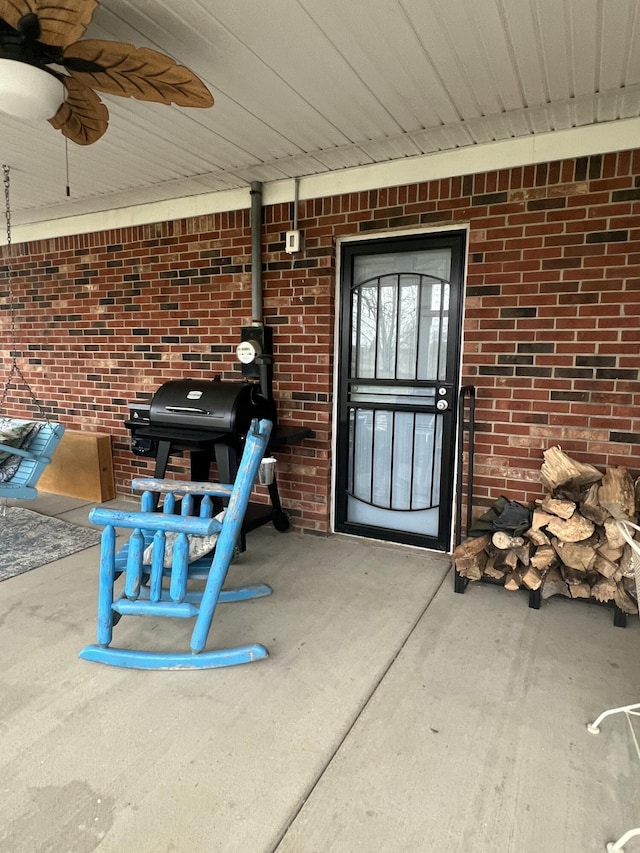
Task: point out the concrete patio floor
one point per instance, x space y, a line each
392 715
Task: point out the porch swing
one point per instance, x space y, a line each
25 446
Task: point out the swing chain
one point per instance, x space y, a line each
15 367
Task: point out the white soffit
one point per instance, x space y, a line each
540 148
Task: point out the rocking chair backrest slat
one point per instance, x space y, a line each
179 568
133 576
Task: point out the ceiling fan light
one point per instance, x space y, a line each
27 92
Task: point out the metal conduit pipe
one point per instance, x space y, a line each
256 252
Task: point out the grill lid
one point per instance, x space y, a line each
209 405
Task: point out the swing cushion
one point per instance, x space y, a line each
199 546
14 434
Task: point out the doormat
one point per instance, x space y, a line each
29 540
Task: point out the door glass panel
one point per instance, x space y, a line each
394 480
399 320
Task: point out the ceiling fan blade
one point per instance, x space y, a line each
135 72
83 118
62 22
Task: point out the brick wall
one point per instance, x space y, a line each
551 317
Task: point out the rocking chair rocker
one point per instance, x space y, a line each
140 599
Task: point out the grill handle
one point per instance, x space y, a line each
190 409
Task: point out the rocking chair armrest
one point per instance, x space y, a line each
152 521
26 454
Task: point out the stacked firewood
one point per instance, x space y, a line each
573 546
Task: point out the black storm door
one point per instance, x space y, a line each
398 379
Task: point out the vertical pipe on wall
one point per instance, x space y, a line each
296 193
256 252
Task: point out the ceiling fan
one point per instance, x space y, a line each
44 67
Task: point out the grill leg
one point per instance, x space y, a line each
162 460
227 462
200 463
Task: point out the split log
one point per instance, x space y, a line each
544 558
494 573
513 581
472 567
580 590
576 556
537 537
572 529
624 601
559 469
604 589
614 537
491 570
610 553
540 519
617 493
554 506
532 578
507 560
523 553
571 576
503 540
470 547
607 568
554 584
470 558
591 508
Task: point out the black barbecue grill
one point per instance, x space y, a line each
209 419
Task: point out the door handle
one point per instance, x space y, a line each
188 409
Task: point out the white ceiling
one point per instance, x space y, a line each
304 87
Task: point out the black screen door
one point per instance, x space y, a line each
398 378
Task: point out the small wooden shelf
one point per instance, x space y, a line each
81 467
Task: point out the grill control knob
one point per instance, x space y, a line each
442 405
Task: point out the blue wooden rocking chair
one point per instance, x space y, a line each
22 485
144 593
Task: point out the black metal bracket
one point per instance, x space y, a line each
262 367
